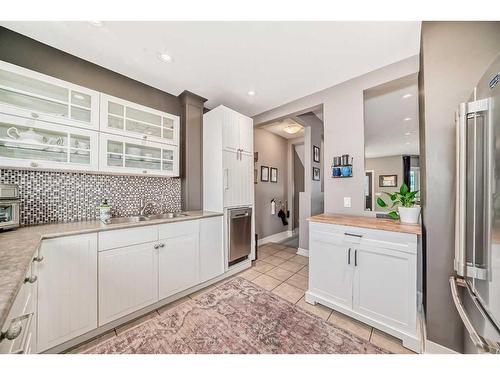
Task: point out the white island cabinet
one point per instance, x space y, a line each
368 274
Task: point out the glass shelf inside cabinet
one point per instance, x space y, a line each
33 103
142 157
168 128
168 160
79 152
24 142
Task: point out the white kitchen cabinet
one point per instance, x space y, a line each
67 289
44 145
122 117
133 156
211 248
19 329
128 280
330 269
178 257
238 179
368 274
30 94
237 130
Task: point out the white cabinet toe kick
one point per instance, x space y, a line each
369 275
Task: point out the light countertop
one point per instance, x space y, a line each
18 247
368 222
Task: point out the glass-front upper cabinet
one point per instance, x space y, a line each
26 93
122 117
33 143
128 155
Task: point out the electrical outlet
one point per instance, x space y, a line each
347 201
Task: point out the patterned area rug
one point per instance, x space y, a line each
236 317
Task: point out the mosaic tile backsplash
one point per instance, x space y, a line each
49 197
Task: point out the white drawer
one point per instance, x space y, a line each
178 229
126 237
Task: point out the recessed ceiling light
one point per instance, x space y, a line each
407 143
251 93
96 23
292 129
407 118
165 57
408 133
406 96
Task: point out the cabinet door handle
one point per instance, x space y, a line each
356 258
226 179
31 279
349 256
156 246
38 258
144 137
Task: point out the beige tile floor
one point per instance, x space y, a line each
280 270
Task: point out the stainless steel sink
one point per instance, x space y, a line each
128 219
168 215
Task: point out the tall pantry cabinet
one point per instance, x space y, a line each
228 167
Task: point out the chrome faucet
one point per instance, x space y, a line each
144 204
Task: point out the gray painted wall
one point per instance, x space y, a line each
272 151
31 54
344 130
385 166
454 56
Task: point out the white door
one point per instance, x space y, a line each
211 248
385 286
67 289
128 280
178 263
230 129
246 134
330 269
232 178
246 166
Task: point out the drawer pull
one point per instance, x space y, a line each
12 332
353 235
349 256
162 245
157 246
16 328
31 279
38 258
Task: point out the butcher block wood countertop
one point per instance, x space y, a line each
367 222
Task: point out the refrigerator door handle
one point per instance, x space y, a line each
460 230
477 339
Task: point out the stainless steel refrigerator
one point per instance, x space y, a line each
476 285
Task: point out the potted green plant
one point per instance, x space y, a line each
407 211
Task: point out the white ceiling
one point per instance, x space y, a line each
222 61
385 111
278 126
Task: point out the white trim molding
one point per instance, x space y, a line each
277 237
434 348
303 252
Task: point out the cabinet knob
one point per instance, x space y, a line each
12 332
144 137
144 171
33 164
38 258
31 279
157 246
34 115
162 245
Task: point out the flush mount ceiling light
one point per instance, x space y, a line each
96 23
292 129
251 93
406 96
407 143
408 133
165 57
407 118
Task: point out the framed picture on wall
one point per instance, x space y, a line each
388 180
316 174
274 174
264 173
316 157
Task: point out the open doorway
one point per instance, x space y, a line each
296 142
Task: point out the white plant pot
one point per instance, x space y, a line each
409 215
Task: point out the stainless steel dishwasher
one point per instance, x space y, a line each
240 234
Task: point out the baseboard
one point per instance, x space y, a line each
303 252
434 348
277 237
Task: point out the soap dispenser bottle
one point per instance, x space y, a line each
105 211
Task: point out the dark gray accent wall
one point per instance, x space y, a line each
20 50
454 56
192 150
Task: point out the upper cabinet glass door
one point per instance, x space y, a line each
30 94
38 144
119 116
